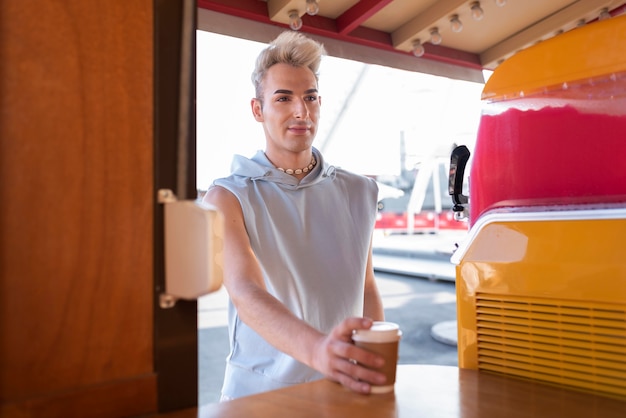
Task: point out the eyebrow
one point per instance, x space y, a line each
281 91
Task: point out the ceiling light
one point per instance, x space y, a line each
604 14
455 24
477 11
500 3
295 23
435 36
418 49
312 7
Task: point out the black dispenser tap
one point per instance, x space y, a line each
458 159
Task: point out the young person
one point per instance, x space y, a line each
297 244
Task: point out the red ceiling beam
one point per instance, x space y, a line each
318 25
247 9
451 56
323 26
358 14
618 10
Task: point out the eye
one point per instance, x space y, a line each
311 98
282 99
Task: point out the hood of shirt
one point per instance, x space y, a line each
259 168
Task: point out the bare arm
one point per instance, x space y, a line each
372 302
329 354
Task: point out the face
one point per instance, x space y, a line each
290 108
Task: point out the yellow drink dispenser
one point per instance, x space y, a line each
541 277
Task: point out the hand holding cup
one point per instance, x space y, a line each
382 338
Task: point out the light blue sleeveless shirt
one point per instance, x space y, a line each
311 238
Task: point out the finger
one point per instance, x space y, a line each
358 378
358 372
345 328
349 351
357 363
355 385
348 382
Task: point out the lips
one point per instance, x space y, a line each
300 129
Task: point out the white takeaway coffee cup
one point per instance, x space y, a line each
382 338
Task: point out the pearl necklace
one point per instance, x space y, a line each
299 170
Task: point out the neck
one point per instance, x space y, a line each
295 170
298 171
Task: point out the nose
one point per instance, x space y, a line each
301 109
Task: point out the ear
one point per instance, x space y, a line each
257 110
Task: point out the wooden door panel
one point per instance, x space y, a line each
76 220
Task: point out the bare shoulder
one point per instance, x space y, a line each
225 201
220 197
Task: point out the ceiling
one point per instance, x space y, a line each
383 26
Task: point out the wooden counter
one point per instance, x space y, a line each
421 391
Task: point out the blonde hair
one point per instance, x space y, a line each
291 48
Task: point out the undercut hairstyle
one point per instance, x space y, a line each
291 48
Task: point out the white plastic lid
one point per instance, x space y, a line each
379 332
